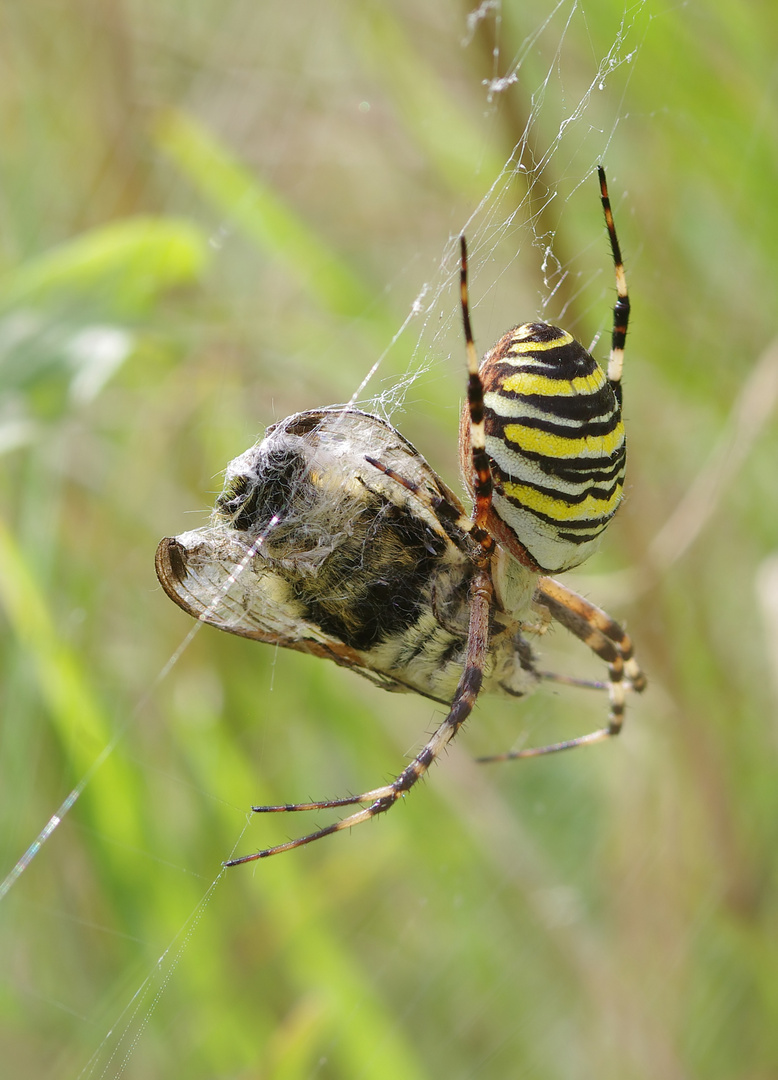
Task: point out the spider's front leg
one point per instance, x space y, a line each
383 798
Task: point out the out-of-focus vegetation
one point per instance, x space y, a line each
216 214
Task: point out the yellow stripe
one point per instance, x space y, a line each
554 446
519 346
560 510
523 383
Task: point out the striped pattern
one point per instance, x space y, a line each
555 439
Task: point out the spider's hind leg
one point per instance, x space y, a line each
559 598
604 637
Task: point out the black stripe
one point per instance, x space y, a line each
475 399
579 407
556 365
577 470
470 683
572 538
572 468
567 362
536 423
595 525
425 757
598 468
565 496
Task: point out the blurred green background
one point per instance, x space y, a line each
216 214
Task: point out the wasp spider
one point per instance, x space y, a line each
333 536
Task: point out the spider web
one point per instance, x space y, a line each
519 204
569 125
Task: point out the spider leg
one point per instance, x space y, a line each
571 680
383 798
621 307
550 589
441 506
482 473
604 637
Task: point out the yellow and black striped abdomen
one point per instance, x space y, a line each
555 439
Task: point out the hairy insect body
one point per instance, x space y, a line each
312 547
